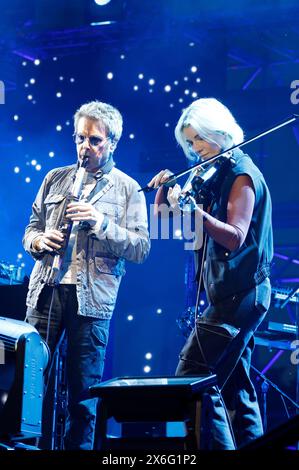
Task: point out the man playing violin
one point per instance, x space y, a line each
239 250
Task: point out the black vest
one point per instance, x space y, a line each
229 272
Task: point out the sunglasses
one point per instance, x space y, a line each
93 140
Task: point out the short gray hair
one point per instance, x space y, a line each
104 112
214 123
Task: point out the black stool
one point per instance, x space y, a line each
151 399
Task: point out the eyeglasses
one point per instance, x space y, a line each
92 139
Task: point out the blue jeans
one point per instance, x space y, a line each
87 338
222 342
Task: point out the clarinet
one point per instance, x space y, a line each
65 225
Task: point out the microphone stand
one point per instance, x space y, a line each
265 387
177 175
293 292
297 342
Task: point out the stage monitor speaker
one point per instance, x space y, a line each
152 398
23 359
149 402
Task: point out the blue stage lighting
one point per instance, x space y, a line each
102 2
23 358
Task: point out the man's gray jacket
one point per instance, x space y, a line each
100 253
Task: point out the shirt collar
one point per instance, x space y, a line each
106 168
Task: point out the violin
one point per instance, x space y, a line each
204 183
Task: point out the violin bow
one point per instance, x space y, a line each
177 175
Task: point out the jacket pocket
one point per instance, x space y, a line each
114 211
110 210
112 266
53 203
106 278
54 198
